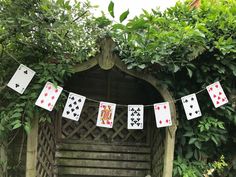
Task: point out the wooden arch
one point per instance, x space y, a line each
43 136
106 59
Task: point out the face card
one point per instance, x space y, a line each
162 114
21 79
106 114
191 106
73 106
217 94
135 116
48 97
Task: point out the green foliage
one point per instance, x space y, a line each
49 36
185 168
124 15
185 49
220 165
194 48
111 9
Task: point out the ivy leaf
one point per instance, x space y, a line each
198 144
124 15
16 126
189 155
142 66
27 127
16 115
176 68
190 73
111 9
189 134
192 140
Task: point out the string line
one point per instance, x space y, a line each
119 105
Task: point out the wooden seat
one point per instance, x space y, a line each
102 160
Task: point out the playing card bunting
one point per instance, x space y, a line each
191 106
21 79
74 106
162 114
48 97
106 114
135 116
217 94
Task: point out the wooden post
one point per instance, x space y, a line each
31 154
3 159
169 154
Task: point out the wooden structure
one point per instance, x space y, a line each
67 148
195 4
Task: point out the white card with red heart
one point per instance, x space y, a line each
106 114
48 97
217 94
162 114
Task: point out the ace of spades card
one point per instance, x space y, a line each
73 107
106 114
162 114
21 79
191 106
217 94
48 97
135 116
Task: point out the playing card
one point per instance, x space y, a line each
217 94
21 79
162 114
48 97
135 116
106 114
191 106
73 106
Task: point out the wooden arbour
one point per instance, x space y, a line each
106 60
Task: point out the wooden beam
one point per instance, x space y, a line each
31 154
86 65
103 156
103 164
100 172
169 154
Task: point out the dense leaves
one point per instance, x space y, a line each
194 48
47 36
186 49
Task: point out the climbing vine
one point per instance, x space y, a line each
186 49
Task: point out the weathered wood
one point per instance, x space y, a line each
104 148
101 172
86 129
102 156
46 150
103 164
31 155
86 65
169 154
106 60
162 150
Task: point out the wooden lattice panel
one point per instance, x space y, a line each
158 151
46 150
86 130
